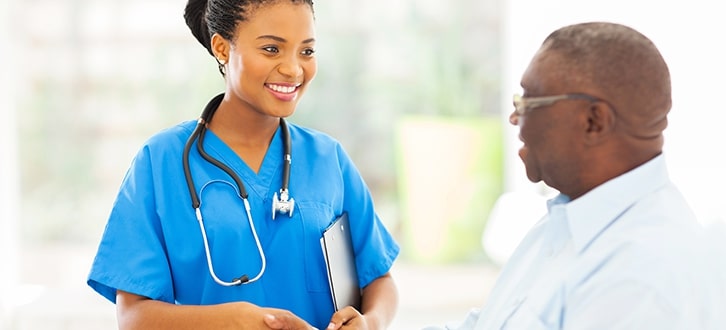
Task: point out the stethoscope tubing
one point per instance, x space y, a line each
198 131
285 204
244 279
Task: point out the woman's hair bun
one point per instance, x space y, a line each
195 17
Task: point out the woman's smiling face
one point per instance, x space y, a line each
271 60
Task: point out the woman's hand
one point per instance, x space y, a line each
348 318
378 305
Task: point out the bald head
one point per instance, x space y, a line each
622 66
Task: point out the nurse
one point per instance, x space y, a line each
152 261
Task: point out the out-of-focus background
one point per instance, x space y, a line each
416 90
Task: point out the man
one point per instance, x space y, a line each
619 247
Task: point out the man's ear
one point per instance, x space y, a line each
600 122
220 48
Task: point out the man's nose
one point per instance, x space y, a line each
514 118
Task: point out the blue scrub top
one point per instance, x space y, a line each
152 245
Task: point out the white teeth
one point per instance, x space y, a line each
282 89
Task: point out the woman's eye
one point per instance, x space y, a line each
308 52
270 49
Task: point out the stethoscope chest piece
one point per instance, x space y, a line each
284 204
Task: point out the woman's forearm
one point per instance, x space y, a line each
137 312
380 301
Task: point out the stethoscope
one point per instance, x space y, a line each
284 204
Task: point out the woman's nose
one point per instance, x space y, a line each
291 68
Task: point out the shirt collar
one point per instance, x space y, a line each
592 213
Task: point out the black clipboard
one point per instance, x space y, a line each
339 258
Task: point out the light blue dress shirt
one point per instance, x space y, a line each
627 255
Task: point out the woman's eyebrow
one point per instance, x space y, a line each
282 40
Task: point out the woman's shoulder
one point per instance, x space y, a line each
171 136
310 135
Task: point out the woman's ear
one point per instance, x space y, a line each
220 48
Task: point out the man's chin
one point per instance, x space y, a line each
533 178
532 175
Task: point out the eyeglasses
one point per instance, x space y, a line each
523 104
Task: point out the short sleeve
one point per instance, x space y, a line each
375 247
131 255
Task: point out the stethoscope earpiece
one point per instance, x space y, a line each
241 280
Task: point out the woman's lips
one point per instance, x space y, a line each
284 92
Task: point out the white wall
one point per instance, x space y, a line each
9 192
690 37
